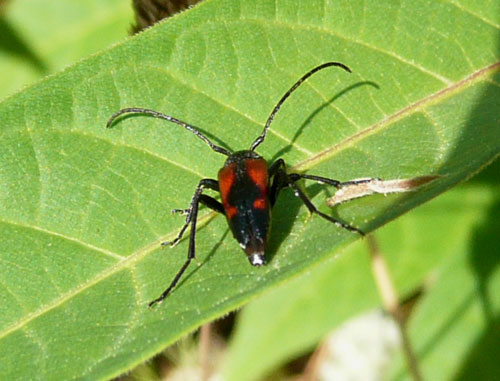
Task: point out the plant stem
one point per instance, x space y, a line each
391 304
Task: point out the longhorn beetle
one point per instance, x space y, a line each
248 188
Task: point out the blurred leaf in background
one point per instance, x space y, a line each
40 37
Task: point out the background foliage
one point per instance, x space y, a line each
83 209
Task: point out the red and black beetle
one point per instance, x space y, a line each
248 188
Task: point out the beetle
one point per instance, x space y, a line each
248 187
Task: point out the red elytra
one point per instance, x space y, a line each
248 188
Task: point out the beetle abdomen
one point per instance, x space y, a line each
243 184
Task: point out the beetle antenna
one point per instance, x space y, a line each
160 115
260 139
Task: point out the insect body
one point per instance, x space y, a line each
248 188
244 189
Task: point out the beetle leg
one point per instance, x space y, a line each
211 202
299 193
191 218
182 212
325 180
197 197
277 172
282 180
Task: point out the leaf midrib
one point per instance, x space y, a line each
404 112
308 163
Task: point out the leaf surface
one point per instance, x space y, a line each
422 250
84 209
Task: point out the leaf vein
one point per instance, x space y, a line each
361 43
141 253
126 262
231 108
462 8
66 237
408 110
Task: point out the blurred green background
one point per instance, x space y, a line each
40 37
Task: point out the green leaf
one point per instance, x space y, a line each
291 319
84 209
455 329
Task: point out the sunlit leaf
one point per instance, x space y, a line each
84 209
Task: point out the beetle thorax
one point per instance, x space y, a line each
241 156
